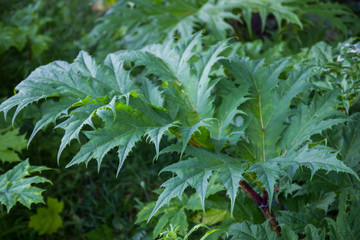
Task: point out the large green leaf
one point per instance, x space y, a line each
270 106
122 132
187 132
79 117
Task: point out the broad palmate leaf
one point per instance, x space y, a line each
16 185
275 129
47 220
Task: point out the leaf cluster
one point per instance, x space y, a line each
245 120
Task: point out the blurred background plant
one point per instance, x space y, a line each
98 205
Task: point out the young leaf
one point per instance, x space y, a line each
47 220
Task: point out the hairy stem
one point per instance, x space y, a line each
263 204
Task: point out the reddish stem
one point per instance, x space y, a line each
263 203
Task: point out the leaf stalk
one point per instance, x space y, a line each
263 203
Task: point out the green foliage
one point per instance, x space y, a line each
103 232
172 233
345 226
11 143
347 138
177 211
246 230
16 185
261 107
132 25
47 220
114 103
33 33
25 29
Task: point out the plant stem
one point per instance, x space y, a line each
263 204
263 129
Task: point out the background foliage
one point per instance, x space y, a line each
311 45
